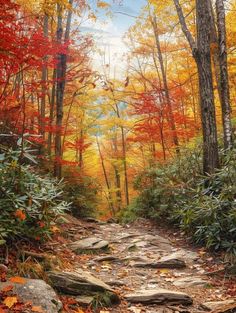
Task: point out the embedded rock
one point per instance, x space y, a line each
91 243
182 254
220 306
159 296
165 262
190 282
81 283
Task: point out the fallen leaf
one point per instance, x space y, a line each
7 288
2 310
37 309
18 280
10 301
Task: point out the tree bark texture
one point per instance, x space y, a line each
224 79
201 51
203 59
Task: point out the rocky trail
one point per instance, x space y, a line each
132 268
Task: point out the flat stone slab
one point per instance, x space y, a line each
192 281
157 296
77 283
188 256
161 243
91 243
165 262
81 283
220 306
156 239
36 291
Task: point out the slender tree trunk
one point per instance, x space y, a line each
224 80
61 81
117 178
51 114
106 178
125 165
67 120
81 150
161 104
124 156
201 51
59 97
203 59
44 79
214 48
118 187
165 85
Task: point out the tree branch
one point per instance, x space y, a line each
184 27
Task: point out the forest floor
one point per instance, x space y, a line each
137 261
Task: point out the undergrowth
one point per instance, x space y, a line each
202 206
29 203
81 191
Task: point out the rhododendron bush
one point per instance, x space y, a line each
29 203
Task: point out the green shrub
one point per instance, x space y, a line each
29 203
81 192
204 207
210 212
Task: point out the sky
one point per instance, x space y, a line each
108 31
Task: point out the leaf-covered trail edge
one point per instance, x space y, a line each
124 241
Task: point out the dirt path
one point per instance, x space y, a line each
137 261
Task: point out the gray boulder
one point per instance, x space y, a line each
37 292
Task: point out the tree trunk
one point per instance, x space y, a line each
202 55
165 85
125 165
117 178
224 80
106 178
124 156
203 59
44 79
51 114
81 150
61 81
59 96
